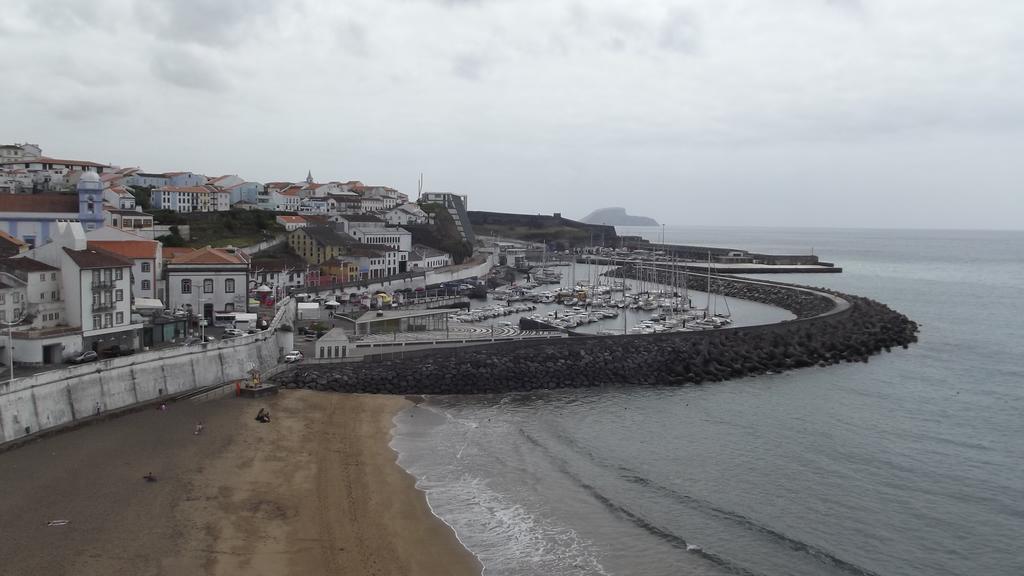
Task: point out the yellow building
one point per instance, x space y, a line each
336 270
318 244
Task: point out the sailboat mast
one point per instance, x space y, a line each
707 308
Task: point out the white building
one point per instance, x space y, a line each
96 286
119 197
208 280
226 181
132 221
278 275
291 222
286 200
189 199
147 180
427 258
405 214
32 291
17 152
396 238
54 174
147 263
184 179
333 344
388 197
15 181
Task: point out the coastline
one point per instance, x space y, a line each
318 490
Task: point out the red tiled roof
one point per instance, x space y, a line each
292 219
209 256
172 252
48 160
6 238
39 203
26 265
135 249
199 189
94 258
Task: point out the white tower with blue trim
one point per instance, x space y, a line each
90 201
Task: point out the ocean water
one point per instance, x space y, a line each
910 465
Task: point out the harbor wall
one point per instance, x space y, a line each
831 328
64 397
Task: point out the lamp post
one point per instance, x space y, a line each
10 345
202 319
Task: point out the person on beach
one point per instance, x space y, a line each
199 428
263 416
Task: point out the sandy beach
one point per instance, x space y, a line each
315 491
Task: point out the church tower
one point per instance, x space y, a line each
309 177
90 201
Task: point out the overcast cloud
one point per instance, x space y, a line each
887 113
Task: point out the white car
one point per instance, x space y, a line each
293 356
233 333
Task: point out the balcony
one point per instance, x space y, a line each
102 284
104 307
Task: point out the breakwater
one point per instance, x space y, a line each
831 328
800 300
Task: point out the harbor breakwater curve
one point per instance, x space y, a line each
830 328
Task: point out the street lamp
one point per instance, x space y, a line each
10 344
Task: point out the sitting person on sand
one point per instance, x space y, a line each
263 416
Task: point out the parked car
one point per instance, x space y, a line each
293 356
196 340
116 351
83 357
232 332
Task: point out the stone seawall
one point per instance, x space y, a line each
68 396
831 328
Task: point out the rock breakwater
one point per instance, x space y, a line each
845 329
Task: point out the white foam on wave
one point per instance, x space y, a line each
505 533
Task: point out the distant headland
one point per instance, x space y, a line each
617 217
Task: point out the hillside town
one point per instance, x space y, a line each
98 260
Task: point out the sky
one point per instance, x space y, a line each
850 113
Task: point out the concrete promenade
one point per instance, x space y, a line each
63 397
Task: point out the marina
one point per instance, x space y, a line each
585 301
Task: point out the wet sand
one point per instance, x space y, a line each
315 491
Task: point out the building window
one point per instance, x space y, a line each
3 315
119 295
186 286
145 284
120 318
56 315
118 273
95 276
108 320
43 277
95 299
42 295
145 266
208 286
16 297
54 296
2 298
53 276
96 322
229 285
